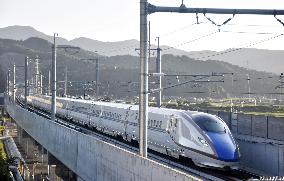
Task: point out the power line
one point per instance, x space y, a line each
238 49
190 41
196 80
246 32
251 25
182 28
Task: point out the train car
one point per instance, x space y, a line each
201 137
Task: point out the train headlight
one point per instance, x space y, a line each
203 141
238 149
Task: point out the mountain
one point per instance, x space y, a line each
119 74
20 33
261 60
257 59
24 32
126 47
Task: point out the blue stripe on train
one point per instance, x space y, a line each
224 146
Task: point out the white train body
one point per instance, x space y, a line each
170 131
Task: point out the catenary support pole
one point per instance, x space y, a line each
281 85
49 80
248 80
40 90
8 90
65 82
14 82
7 83
53 99
159 71
37 76
26 81
143 88
97 77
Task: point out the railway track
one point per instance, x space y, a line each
182 165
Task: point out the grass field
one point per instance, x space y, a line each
224 105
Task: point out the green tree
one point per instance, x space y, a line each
4 166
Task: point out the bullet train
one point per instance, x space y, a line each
203 138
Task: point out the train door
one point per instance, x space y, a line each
173 131
173 125
126 122
101 116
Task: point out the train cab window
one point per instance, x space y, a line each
209 123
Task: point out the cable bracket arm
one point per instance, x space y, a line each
183 9
219 25
278 19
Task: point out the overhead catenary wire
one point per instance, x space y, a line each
224 23
190 41
246 32
225 31
218 25
238 49
197 80
180 29
250 25
243 46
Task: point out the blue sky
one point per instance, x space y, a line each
115 20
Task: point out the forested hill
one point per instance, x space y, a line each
119 74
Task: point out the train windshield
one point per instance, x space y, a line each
209 123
